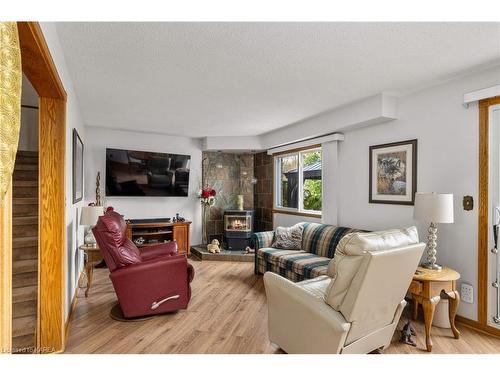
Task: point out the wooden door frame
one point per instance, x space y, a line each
483 213
39 68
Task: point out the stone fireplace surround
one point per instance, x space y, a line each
231 174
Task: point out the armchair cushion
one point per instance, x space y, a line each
350 254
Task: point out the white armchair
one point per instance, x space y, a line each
317 316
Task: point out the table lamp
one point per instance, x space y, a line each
433 208
89 216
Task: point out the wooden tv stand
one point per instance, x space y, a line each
155 232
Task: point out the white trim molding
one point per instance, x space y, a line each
309 142
475 96
376 109
229 143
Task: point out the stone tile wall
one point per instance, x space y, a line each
263 192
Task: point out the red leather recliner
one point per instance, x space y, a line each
152 281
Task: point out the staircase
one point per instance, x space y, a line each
24 251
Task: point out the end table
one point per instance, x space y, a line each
92 255
427 288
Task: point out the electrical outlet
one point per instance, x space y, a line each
467 293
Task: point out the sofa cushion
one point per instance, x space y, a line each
288 237
296 261
322 239
349 256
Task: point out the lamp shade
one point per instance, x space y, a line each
433 207
90 214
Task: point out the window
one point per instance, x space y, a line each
298 183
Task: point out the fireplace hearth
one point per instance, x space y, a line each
238 228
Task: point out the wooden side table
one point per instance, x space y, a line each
92 255
427 288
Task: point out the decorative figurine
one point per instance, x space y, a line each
178 219
406 334
214 246
139 241
98 200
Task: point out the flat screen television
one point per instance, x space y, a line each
141 173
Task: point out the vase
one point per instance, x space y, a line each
206 214
239 202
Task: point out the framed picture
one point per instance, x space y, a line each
393 173
77 167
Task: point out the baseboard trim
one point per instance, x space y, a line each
74 301
475 325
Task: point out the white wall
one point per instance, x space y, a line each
284 220
74 233
447 136
98 139
28 134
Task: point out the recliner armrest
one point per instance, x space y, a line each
151 267
153 251
300 322
297 295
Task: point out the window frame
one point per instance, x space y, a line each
300 211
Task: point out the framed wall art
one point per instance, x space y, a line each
393 173
77 167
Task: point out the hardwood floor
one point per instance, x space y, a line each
227 314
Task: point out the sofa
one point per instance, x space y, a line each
356 306
319 242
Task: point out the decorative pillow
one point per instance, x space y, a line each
289 238
350 252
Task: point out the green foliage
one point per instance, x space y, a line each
312 188
311 157
312 195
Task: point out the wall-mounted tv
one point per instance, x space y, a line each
142 173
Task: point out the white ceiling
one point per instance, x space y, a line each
216 79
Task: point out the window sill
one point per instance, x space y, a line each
296 213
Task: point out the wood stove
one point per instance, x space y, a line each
238 228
